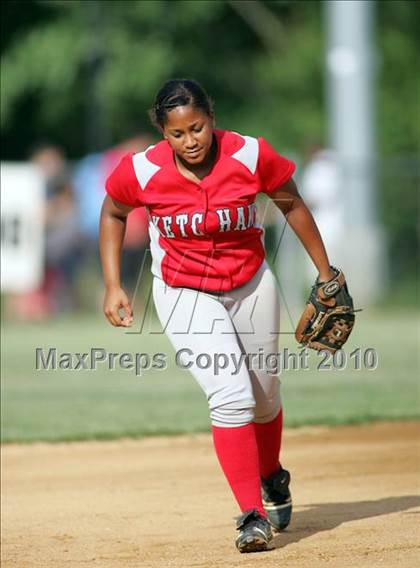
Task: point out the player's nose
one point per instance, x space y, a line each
190 143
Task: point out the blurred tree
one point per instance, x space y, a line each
261 61
83 73
398 24
398 39
132 47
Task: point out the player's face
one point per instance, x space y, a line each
189 132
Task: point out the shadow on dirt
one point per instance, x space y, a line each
319 517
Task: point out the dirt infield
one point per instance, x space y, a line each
162 502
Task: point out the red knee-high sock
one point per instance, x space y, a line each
268 437
237 451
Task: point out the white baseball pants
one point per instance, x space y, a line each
227 327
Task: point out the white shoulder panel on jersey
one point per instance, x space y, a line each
144 168
248 154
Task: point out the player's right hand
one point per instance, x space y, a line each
115 300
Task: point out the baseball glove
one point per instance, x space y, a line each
329 316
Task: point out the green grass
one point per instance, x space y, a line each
72 405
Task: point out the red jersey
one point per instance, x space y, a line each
203 235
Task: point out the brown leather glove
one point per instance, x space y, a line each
328 318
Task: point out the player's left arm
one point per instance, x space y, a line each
300 219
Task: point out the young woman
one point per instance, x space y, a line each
213 290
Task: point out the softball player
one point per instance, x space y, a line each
213 291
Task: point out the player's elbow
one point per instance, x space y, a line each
287 197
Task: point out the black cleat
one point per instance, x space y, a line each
277 500
254 532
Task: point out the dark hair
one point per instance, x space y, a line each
179 92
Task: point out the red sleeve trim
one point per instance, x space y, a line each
282 178
122 185
116 195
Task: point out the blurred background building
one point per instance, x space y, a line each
331 84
